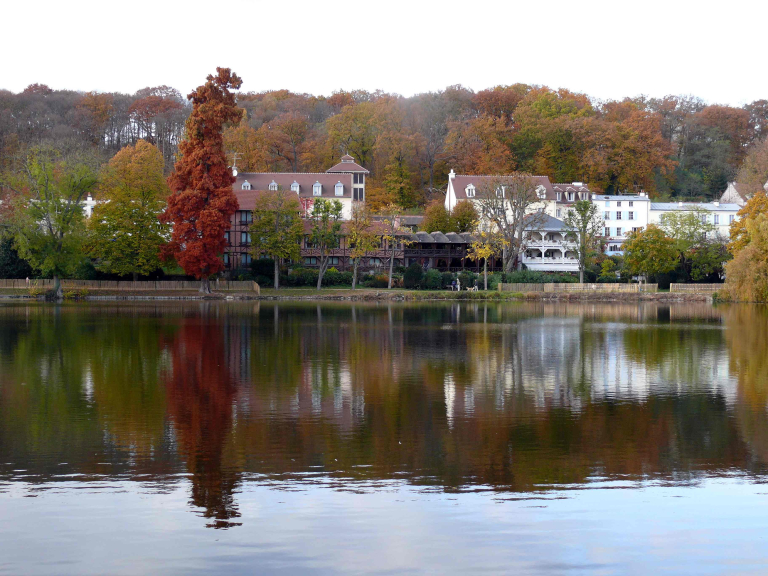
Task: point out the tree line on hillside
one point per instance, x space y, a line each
676 146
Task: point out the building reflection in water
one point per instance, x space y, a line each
516 397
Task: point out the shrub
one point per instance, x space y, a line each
263 267
535 277
380 281
467 279
446 279
433 280
413 276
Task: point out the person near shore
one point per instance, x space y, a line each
453 285
458 285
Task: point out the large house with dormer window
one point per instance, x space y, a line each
344 182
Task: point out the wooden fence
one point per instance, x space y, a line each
695 288
127 285
573 287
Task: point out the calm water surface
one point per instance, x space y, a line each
302 438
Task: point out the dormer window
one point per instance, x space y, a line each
317 189
559 196
295 187
339 189
470 191
570 196
246 185
541 192
273 186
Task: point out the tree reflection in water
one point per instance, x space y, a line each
508 397
201 389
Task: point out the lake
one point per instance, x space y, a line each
286 438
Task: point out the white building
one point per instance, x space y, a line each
621 215
718 214
546 246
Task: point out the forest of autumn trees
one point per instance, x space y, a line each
676 146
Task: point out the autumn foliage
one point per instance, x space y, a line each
202 202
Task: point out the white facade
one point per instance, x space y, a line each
718 214
621 215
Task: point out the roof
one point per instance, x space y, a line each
622 197
543 222
576 187
284 180
695 205
349 165
461 181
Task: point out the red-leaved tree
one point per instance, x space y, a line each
202 202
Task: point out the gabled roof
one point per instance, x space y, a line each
284 180
461 181
347 165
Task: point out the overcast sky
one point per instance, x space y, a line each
607 49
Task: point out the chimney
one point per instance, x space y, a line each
451 174
717 204
679 204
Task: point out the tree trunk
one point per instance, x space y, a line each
354 273
485 275
57 291
391 266
321 272
205 285
581 274
277 273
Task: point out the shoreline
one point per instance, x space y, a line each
383 295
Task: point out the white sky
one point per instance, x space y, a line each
608 49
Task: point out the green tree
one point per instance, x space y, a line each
48 217
464 217
11 266
649 252
126 234
583 227
691 231
362 237
277 227
326 231
436 218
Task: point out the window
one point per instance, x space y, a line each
246 185
358 194
618 231
295 187
375 261
731 218
618 203
558 213
607 215
246 216
226 258
570 196
704 218
334 260
637 229
226 237
614 248
607 203
717 219
310 260
245 259
559 196
359 179
339 189
618 215
631 215
317 189
470 191
631 204
607 231
245 237
273 186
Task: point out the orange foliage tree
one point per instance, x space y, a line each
202 201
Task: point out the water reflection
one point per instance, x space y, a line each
512 397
